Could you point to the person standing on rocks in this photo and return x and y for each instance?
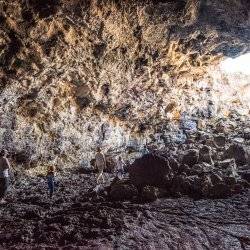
(51, 180)
(120, 167)
(100, 164)
(4, 175)
(145, 150)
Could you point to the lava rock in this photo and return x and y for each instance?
(247, 134)
(185, 169)
(205, 155)
(152, 170)
(228, 167)
(220, 191)
(237, 152)
(190, 158)
(216, 178)
(230, 180)
(149, 193)
(202, 168)
(174, 164)
(123, 190)
(245, 174)
(220, 140)
(181, 185)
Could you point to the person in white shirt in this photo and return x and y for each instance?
(4, 175)
(100, 164)
(120, 167)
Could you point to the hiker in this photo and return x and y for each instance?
(120, 167)
(145, 150)
(100, 164)
(51, 180)
(4, 175)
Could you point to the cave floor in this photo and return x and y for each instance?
(71, 220)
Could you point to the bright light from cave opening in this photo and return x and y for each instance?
(240, 64)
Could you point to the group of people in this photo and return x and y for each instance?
(100, 165)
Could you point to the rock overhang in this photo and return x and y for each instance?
(135, 64)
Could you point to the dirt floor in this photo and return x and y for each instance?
(75, 220)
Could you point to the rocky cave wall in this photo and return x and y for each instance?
(77, 74)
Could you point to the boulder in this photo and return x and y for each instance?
(185, 169)
(220, 140)
(244, 183)
(200, 186)
(230, 180)
(122, 190)
(216, 178)
(149, 193)
(202, 168)
(181, 185)
(245, 174)
(238, 189)
(220, 127)
(247, 134)
(206, 185)
(174, 164)
(237, 152)
(190, 157)
(152, 170)
(192, 186)
(220, 191)
(228, 167)
(205, 155)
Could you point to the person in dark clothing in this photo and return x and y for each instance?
(4, 175)
(51, 180)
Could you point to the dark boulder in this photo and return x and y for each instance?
(200, 186)
(216, 178)
(181, 185)
(152, 170)
(122, 190)
(230, 180)
(220, 191)
(149, 193)
(247, 134)
(220, 140)
(228, 167)
(174, 164)
(190, 158)
(245, 174)
(237, 152)
(205, 155)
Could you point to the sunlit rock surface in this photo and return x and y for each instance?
(77, 74)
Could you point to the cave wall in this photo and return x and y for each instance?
(77, 74)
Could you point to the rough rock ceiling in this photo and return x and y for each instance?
(68, 65)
